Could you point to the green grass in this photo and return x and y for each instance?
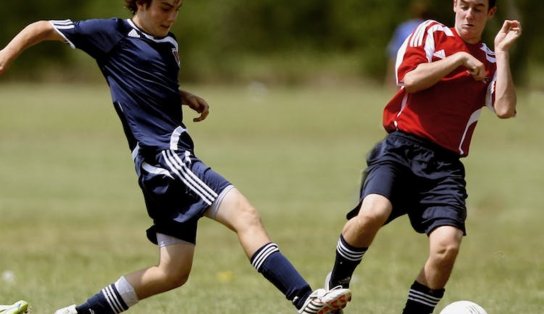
(73, 218)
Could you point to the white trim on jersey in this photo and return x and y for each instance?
(178, 167)
(174, 138)
(402, 106)
(168, 39)
(490, 95)
(489, 54)
(63, 24)
(473, 119)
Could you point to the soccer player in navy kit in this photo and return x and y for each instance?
(140, 61)
(446, 76)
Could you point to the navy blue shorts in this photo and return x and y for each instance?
(421, 179)
(178, 188)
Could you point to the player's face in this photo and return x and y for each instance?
(158, 18)
(471, 17)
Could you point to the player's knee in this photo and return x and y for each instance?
(374, 210)
(371, 218)
(249, 218)
(446, 253)
(172, 279)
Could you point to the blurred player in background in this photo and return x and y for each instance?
(419, 12)
(140, 61)
(446, 76)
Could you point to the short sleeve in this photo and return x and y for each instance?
(96, 37)
(420, 47)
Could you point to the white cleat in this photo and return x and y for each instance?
(327, 287)
(19, 307)
(67, 310)
(323, 301)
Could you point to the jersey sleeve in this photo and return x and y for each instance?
(96, 37)
(418, 48)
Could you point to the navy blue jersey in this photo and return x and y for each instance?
(142, 73)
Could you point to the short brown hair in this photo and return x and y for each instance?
(132, 4)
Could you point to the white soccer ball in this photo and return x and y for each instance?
(463, 307)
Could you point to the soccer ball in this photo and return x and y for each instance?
(463, 307)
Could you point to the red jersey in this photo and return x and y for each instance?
(447, 112)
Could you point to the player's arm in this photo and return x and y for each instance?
(505, 93)
(28, 37)
(427, 74)
(196, 103)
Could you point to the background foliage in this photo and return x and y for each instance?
(267, 40)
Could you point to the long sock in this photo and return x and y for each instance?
(422, 299)
(347, 259)
(109, 300)
(269, 261)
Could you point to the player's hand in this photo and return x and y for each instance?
(196, 103)
(507, 35)
(474, 67)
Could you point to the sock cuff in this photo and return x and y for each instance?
(348, 251)
(260, 256)
(422, 294)
(126, 291)
(423, 288)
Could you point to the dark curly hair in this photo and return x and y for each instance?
(131, 4)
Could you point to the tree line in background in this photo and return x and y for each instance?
(237, 39)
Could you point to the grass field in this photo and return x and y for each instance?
(73, 219)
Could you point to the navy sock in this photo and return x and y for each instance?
(269, 261)
(422, 299)
(347, 259)
(107, 301)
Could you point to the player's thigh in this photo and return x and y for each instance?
(235, 211)
(177, 258)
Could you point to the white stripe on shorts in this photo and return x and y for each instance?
(178, 167)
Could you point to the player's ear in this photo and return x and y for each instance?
(491, 12)
(454, 4)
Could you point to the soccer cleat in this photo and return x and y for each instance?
(18, 307)
(67, 310)
(327, 287)
(323, 301)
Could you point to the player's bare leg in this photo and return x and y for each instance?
(236, 213)
(356, 237)
(172, 271)
(428, 289)
(361, 229)
(444, 245)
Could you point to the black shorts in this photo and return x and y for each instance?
(178, 188)
(420, 179)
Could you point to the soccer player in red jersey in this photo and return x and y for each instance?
(446, 76)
